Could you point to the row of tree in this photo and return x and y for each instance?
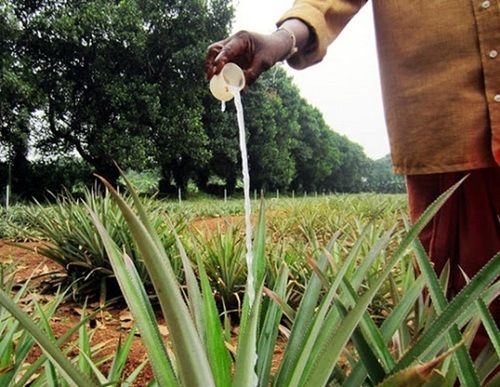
(122, 81)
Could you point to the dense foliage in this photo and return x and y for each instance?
(382, 178)
(106, 81)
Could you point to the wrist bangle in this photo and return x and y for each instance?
(293, 48)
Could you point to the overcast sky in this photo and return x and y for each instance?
(345, 86)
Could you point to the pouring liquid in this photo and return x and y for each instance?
(246, 190)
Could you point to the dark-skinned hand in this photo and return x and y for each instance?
(253, 52)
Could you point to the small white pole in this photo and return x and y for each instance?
(225, 195)
(277, 194)
(254, 194)
(180, 195)
(293, 194)
(7, 197)
(7, 193)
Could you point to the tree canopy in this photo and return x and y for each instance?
(107, 82)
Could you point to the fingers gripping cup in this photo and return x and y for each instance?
(231, 75)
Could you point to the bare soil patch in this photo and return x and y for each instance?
(113, 324)
(208, 226)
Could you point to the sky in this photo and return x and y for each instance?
(345, 86)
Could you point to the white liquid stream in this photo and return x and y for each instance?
(248, 210)
(246, 190)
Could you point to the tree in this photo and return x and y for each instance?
(17, 102)
(272, 129)
(86, 62)
(122, 80)
(381, 177)
(290, 145)
(317, 153)
(351, 173)
(222, 133)
(179, 35)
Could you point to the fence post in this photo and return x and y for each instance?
(293, 194)
(225, 195)
(7, 189)
(7, 197)
(180, 195)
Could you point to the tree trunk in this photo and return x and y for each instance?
(180, 178)
(109, 172)
(230, 183)
(20, 172)
(165, 187)
(202, 180)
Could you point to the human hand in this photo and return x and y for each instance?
(253, 52)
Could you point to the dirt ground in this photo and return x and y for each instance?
(208, 226)
(112, 324)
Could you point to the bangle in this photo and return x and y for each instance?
(293, 48)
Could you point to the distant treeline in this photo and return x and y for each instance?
(85, 84)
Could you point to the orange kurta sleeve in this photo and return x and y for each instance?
(326, 18)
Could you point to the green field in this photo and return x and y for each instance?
(341, 293)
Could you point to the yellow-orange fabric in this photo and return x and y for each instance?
(440, 71)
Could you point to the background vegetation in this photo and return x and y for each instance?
(87, 84)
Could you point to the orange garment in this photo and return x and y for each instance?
(440, 71)
(465, 231)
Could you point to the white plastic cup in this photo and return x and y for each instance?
(231, 75)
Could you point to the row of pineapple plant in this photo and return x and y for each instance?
(70, 238)
(332, 312)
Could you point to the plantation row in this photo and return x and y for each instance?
(71, 239)
(335, 275)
